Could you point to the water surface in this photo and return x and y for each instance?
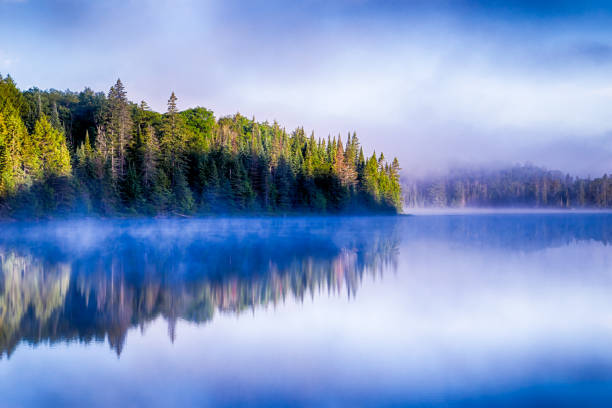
(459, 310)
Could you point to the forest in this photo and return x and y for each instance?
(519, 186)
(81, 153)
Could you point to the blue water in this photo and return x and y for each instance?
(434, 310)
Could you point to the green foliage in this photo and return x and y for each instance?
(199, 125)
(12, 136)
(129, 159)
(48, 150)
(11, 99)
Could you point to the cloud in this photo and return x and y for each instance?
(595, 51)
(7, 62)
(430, 82)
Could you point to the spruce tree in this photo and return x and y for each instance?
(173, 145)
(51, 149)
(11, 135)
(118, 130)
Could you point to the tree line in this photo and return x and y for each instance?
(93, 153)
(518, 186)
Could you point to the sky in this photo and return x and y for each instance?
(436, 83)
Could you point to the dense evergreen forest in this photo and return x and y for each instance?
(64, 152)
(518, 186)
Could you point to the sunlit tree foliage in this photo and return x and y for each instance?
(95, 153)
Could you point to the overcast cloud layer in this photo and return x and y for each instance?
(434, 82)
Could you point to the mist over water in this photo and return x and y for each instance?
(114, 275)
(460, 310)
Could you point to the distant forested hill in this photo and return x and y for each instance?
(87, 152)
(519, 186)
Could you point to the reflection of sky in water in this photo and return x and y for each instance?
(479, 310)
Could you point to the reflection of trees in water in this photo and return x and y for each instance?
(125, 281)
(64, 282)
(513, 231)
(29, 291)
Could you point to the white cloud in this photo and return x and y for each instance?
(7, 62)
(430, 91)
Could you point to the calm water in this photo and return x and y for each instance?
(460, 310)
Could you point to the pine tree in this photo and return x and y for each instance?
(344, 166)
(12, 134)
(51, 149)
(150, 157)
(55, 120)
(85, 159)
(371, 179)
(39, 107)
(118, 130)
(360, 165)
(173, 145)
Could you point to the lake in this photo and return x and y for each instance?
(432, 310)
